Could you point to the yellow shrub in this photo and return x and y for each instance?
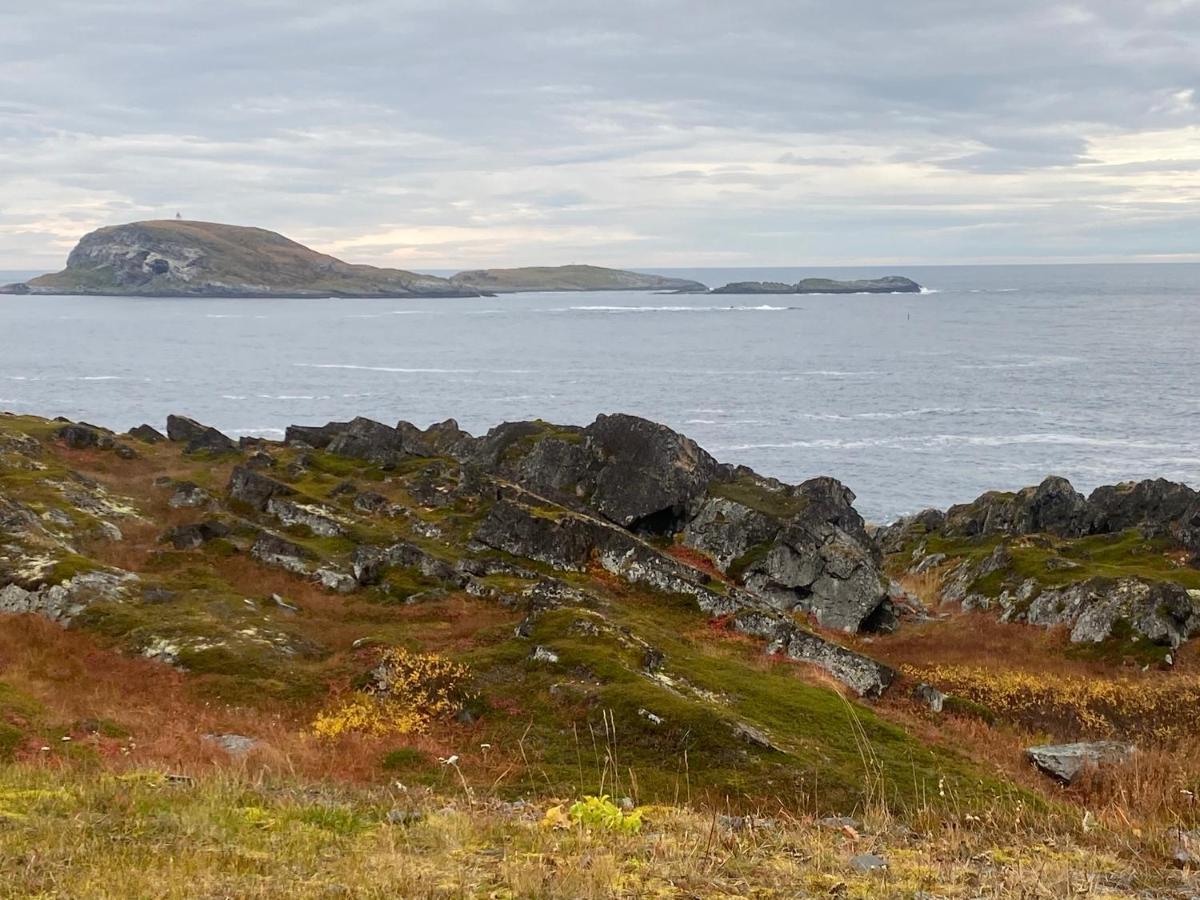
(1159, 707)
(409, 691)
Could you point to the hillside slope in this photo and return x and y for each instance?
(171, 258)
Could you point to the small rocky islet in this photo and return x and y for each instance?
(178, 258)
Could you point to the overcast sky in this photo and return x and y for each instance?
(650, 133)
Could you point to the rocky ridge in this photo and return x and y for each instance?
(1121, 565)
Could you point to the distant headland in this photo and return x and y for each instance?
(178, 258)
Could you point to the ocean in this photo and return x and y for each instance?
(992, 379)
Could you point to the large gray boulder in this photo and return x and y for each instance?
(1066, 762)
(803, 548)
(197, 437)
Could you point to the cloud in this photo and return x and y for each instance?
(651, 133)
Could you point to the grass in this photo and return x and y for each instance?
(751, 492)
(234, 834)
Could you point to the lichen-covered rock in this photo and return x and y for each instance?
(1053, 506)
(1162, 612)
(275, 551)
(810, 552)
(318, 519)
(79, 437)
(254, 488)
(189, 537)
(369, 440)
(1066, 762)
(865, 676)
(64, 601)
(187, 495)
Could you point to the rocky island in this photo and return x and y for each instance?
(570, 278)
(891, 284)
(174, 258)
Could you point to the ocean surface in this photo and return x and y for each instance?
(994, 378)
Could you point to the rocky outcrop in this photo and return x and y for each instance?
(175, 258)
(1157, 508)
(64, 601)
(891, 284)
(810, 552)
(197, 437)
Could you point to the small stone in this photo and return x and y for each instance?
(868, 862)
(1067, 761)
(404, 816)
(544, 654)
(930, 696)
(233, 744)
(651, 717)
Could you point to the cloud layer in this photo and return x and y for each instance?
(650, 133)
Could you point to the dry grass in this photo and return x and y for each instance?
(227, 835)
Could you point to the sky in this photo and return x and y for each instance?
(655, 133)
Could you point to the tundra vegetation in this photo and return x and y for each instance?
(562, 662)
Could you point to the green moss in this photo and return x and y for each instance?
(11, 738)
(755, 554)
(750, 492)
(406, 759)
(962, 706)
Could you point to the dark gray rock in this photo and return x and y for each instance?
(255, 489)
(865, 676)
(197, 437)
(316, 436)
(187, 495)
(1066, 762)
(868, 862)
(147, 434)
(369, 440)
(275, 551)
(189, 537)
(79, 437)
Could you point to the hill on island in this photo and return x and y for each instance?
(569, 278)
(174, 258)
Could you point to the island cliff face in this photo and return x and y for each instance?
(175, 258)
(570, 278)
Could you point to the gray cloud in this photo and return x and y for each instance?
(660, 132)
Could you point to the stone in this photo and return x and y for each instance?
(333, 580)
(233, 744)
(79, 437)
(197, 437)
(404, 817)
(251, 487)
(1066, 762)
(368, 440)
(318, 519)
(865, 863)
(544, 655)
(929, 696)
(275, 551)
(187, 495)
(189, 537)
(147, 434)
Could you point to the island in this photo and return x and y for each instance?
(177, 258)
(891, 284)
(570, 278)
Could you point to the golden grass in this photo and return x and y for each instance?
(230, 836)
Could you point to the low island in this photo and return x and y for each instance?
(570, 278)
(891, 284)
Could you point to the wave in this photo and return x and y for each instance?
(831, 373)
(696, 309)
(1039, 362)
(950, 440)
(924, 411)
(413, 370)
(262, 430)
(929, 290)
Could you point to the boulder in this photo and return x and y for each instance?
(368, 440)
(147, 434)
(189, 537)
(275, 551)
(255, 489)
(1161, 611)
(1066, 762)
(1053, 506)
(187, 495)
(197, 437)
(79, 437)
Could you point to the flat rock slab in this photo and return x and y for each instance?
(1066, 762)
